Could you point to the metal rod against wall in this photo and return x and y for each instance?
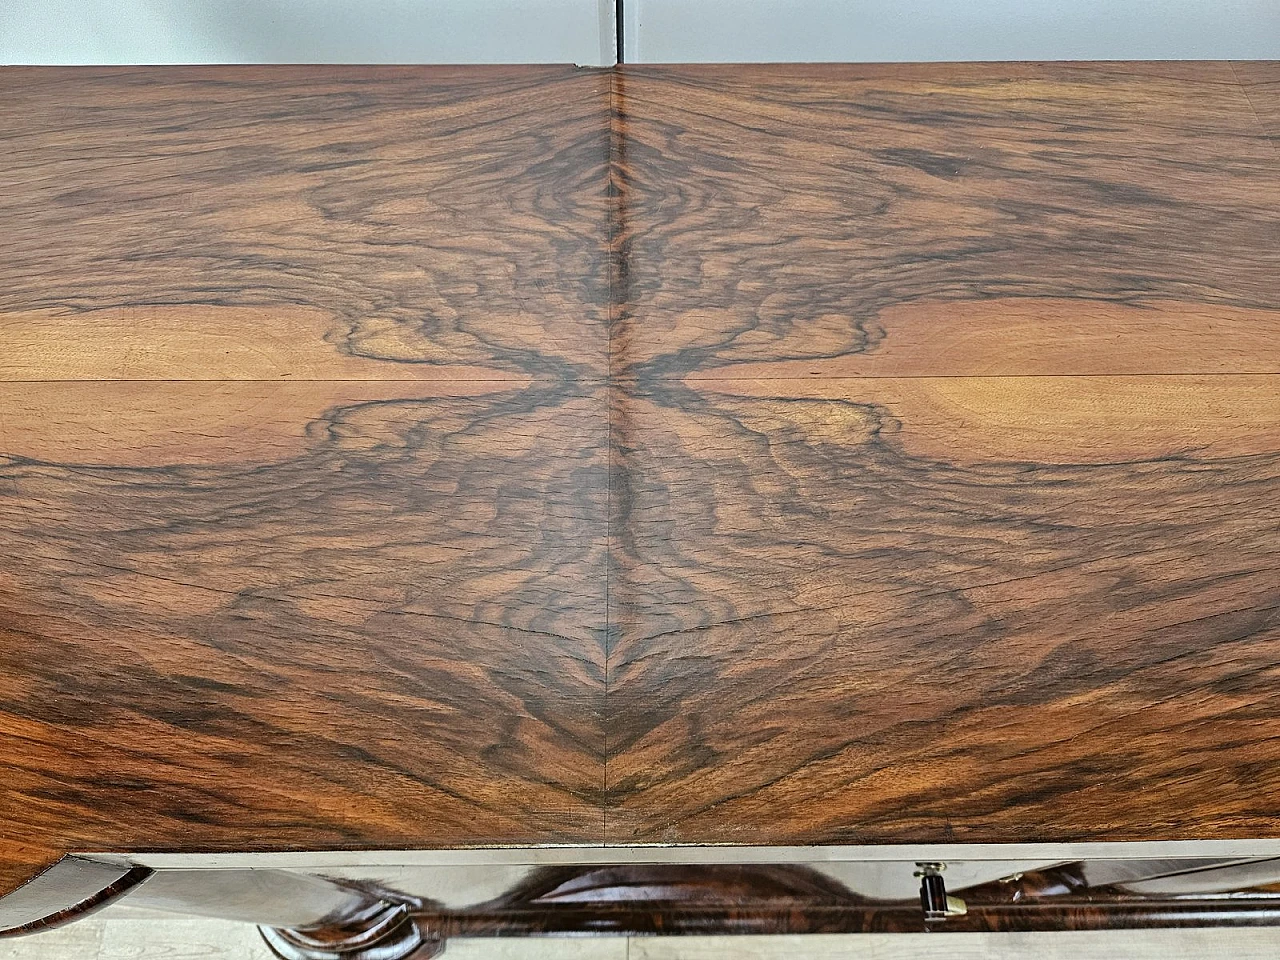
(620, 30)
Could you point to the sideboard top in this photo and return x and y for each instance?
(402, 458)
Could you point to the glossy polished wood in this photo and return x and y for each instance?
(780, 899)
(403, 458)
(947, 498)
(303, 485)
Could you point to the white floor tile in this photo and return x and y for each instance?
(181, 938)
(1190, 944)
(74, 941)
(538, 948)
(111, 936)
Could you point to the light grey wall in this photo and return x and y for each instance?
(307, 31)
(581, 31)
(674, 31)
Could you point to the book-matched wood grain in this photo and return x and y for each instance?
(945, 503)
(444, 457)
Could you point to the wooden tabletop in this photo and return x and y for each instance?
(442, 457)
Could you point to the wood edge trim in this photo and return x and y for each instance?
(127, 878)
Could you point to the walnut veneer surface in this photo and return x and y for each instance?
(442, 457)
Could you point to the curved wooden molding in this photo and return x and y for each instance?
(72, 888)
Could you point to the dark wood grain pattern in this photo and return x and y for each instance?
(446, 457)
(302, 458)
(947, 495)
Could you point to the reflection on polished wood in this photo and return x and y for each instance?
(780, 899)
(414, 458)
(672, 899)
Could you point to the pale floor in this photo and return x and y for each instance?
(122, 934)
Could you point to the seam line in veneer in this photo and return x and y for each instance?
(672, 378)
(1257, 117)
(745, 375)
(611, 233)
(440, 380)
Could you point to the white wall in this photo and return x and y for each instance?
(306, 31)
(581, 31)
(674, 31)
